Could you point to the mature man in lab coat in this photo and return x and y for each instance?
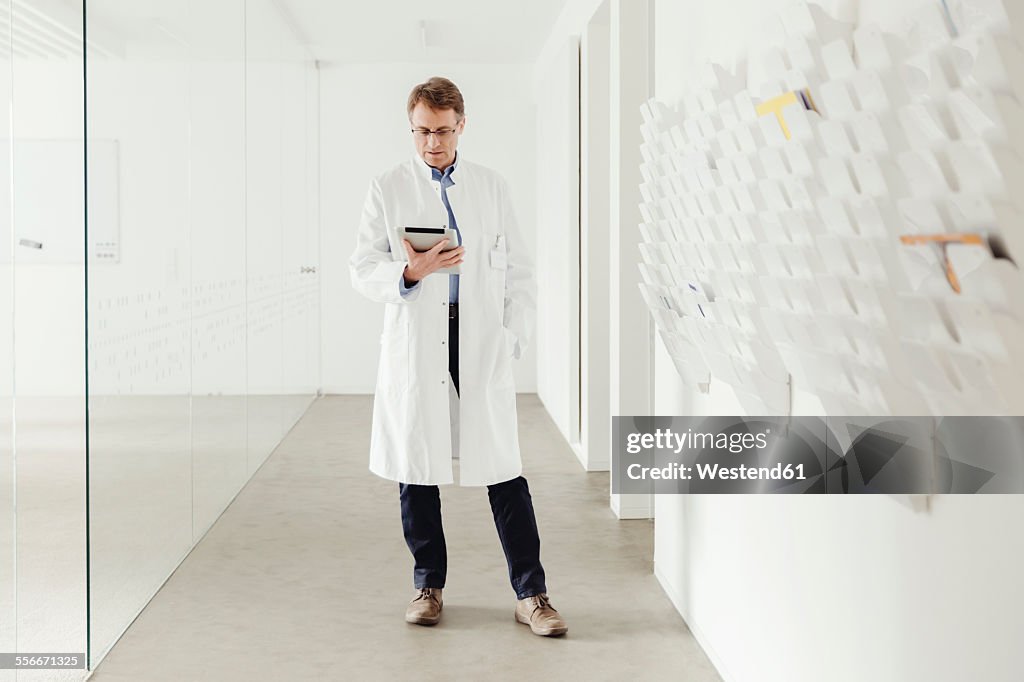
(445, 381)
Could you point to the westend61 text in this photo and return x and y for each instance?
(711, 472)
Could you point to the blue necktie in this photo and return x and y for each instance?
(446, 182)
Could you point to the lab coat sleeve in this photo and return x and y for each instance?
(520, 285)
(373, 268)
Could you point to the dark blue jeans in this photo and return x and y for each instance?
(511, 506)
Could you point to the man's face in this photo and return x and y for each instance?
(438, 150)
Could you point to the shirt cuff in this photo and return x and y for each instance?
(404, 290)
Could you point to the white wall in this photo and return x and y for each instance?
(615, 341)
(595, 241)
(558, 214)
(631, 346)
(792, 588)
(556, 82)
(581, 381)
(365, 131)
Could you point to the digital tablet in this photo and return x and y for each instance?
(426, 238)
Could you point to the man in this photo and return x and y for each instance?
(445, 383)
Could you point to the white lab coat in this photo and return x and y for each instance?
(413, 425)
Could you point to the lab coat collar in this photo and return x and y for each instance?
(426, 171)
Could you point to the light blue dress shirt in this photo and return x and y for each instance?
(446, 181)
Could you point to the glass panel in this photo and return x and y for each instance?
(217, 219)
(8, 615)
(312, 284)
(299, 282)
(202, 133)
(46, 199)
(140, 334)
(264, 116)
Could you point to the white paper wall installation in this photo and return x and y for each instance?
(847, 215)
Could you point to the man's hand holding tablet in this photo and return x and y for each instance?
(437, 257)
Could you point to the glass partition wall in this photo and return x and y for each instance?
(8, 600)
(162, 336)
(43, 517)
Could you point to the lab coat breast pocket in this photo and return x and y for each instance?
(498, 256)
(497, 267)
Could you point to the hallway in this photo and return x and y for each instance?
(305, 577)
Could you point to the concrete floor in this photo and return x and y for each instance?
(306, 577)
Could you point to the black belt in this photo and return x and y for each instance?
(453, 311)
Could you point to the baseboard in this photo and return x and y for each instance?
(701, 638)
(632, 506)
(577, 449)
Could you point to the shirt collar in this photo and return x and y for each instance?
(431, 173)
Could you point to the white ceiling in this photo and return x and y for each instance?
(333, 31)
(492, 31)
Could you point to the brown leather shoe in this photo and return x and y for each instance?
(425, 608)
(542, 618)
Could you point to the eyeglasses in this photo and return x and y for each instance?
(424, 134)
